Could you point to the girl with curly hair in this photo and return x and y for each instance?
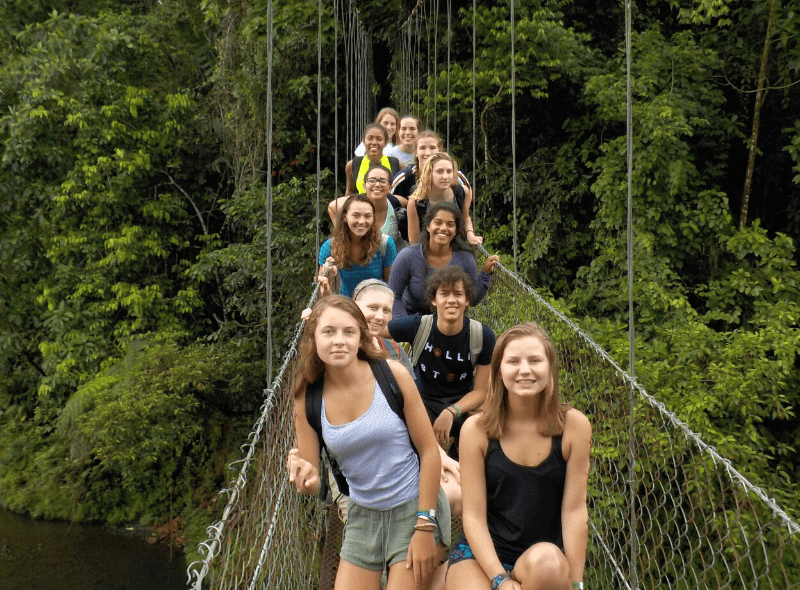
(358, 249)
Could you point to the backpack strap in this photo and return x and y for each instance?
(459, 196)
(475, 340)
(391, 390)
(388, 384)
(314, 417)
(314, 407)
(424, 330)
(384, 245)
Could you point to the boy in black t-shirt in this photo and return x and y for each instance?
(451, 382)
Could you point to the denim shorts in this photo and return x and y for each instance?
(377, 539)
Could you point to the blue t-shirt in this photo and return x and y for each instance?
(444, 371)
(354, 274)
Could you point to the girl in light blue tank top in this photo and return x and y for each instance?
(373, 446)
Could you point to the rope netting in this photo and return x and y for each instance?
(700, 523)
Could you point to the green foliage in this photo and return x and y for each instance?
(793, 148)
(132, 233)
(147, 437)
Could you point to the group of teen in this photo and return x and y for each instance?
(468, 424)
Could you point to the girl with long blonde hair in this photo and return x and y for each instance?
(438, 183)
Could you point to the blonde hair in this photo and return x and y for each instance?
(426, 178)
(425, 135)
(368, 285)
(389, 111)
(552, 413)
(309, 366)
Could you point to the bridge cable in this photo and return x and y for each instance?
(449, 8)
(319, 123)
(335, 99)
(268, 205)
(474, 116)
(631, 335)
(514, 157)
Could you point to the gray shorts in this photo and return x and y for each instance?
(377, 539)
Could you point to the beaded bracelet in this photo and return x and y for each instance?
(458, 411)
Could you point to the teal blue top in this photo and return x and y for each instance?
(354, 274)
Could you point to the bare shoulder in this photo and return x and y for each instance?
(300, 405)
(473, 432)
(577, 422)
(577, 434)
(399, 371)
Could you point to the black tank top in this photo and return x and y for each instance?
(458, 198)
(523, 504)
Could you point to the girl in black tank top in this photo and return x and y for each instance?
(524, 475)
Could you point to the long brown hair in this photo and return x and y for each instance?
(343, 242)
(309, 366)
(552, 413)
(426, 179)
(424, 135)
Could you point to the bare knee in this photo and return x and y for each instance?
(542, 567)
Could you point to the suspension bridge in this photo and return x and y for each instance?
(666, 509)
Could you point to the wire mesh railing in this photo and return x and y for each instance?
(700, 523)
(268, 536)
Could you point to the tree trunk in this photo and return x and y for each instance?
(761, 92)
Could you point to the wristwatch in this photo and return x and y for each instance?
(499, 579)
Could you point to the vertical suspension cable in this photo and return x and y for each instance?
(345, 73)
(474, 107)
(418, 81)
(335, 97)
(513, 136)
(449, 8)
(428, 76)
(268, 204)
(435, 64)
(514, 152)
(631, 335)
(319, 121)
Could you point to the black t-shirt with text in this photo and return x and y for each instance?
(444, 371)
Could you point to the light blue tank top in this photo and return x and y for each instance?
(375, 454)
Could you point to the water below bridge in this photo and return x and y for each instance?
(39, 555)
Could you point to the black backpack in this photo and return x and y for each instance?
(394, 397)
